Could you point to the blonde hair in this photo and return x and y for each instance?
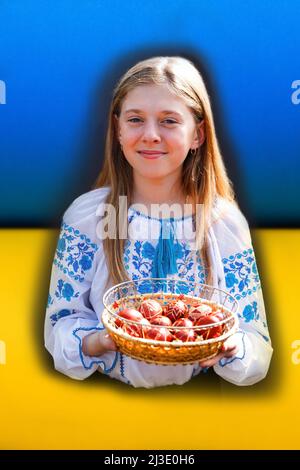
(204, 175)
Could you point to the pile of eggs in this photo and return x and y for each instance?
(156, 322)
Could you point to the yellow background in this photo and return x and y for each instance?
(42, 409)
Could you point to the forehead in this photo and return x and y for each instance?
(154, 98)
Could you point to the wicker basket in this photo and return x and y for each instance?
(130, 294)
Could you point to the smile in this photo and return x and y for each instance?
(152, 155)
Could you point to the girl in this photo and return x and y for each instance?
(161, 147)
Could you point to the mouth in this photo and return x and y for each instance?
(151, 155)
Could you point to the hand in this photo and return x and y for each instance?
(98, 343)
(107, 342)
(229, 349)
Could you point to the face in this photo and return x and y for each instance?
(156, 130)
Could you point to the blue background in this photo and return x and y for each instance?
(61, 59)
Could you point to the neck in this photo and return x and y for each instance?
(163, 191)
(157, 191)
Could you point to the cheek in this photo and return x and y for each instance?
(129, 135)
(180, 147)
(180, 140)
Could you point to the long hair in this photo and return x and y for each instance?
(204, 175)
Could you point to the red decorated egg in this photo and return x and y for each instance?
(199, 311)
(159, 334)
(175, 310)
(213, 331)
(183, 322)
(186, 334)
(128, 314)
(219, 314)
(140, 330)
(161, 320)
(150, 309)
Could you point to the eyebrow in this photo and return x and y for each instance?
(166, 111)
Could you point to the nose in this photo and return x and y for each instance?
(151, 132)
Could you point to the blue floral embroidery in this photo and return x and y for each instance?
(148, 250)
(62, 313)
(65, 291)
(202, 272)
(50, 301)
(231, 280)
(241, 274)
(250, 312)
(139, 260)
(139, 255)
(146, 286)
(184, 260)
(126, 254)
(74, 253)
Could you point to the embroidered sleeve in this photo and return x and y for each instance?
(69, 313)
(238, 275)
(243, 282)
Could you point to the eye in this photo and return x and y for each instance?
(133, 119)
(170, 121)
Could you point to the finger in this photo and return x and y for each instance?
(211, 362)
(110, 343)
(231, 352)
(229, 345)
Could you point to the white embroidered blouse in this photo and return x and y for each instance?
(79, 275)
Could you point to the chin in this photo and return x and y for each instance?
(152, 174)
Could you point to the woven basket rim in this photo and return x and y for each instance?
(200, 293)
(184, 281)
